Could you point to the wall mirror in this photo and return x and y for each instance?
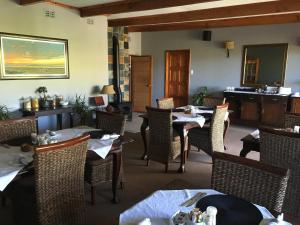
(264, 65)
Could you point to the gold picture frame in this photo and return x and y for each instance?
(32, 57)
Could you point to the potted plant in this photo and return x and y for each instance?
(199, 96)
(81, 108)
(42, 91)
(4, 112)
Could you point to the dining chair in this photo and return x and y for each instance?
(98, 170)
(291, 120)
(164, 144)
(54, 195)
(281, 148)
(210, 138)
(17, 128)
(254, 181)
(165, 103)
(211, 101)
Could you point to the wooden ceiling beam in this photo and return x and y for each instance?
(27, 2)
(134, 5)
(235, 22)
(214, 13)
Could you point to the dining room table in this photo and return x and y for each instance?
(14, 162)
(162, 205)
(182, 122)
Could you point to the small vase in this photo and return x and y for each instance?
(45, 104)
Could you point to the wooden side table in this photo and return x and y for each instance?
(50, 111)
(249, 144)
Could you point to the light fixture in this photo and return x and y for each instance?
(229, 45)
(108, 90)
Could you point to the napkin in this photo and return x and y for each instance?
(109, 136)
(102, 146)
(255, 134)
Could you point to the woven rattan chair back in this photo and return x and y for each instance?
(59, 181)
(210, 101)
(160, 134)
(251, 180)
(217, 128)
(282, 149)
(17, 128)
(291, 120)
(111, 122)
(165, 103)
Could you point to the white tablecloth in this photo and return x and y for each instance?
(198, 110)
(100, 146)
(12, 160)
(182, 117)
(162, 205)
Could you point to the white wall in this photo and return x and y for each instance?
(208, 59)
(88, 60)
(135, 43)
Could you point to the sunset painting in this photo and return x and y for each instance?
(33, 58)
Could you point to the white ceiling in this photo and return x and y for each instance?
(207, 5)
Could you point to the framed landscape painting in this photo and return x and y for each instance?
(29, 57)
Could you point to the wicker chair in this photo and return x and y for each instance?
(163, 146)
(210, 101)
(291, 120)
(55, 194)
(251, 180)
(210, 139)
(280, 148)
(98, 170)
(17, 128)
(165, 103)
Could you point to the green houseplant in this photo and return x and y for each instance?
(81, 108)
(42, 91)
(199, 96)
(4, 112)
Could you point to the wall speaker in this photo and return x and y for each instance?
(206, 35)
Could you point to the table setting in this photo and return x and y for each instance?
(17, 155)
(197, 207)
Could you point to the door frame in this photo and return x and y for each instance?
(131, 79)
(166, 71)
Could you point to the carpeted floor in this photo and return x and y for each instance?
(141, 181)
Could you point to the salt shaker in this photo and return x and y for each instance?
(211, 215)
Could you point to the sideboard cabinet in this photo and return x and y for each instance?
(257, 109)
(295, 104)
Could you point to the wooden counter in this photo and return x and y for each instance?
(256, 109)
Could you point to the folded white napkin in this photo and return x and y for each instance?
(145, 221)
(109, 136)
(255, 134)
(102, 146)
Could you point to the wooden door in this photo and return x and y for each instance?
(177, 76)
(141, 82)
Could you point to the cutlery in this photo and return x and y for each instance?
(194, 199)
